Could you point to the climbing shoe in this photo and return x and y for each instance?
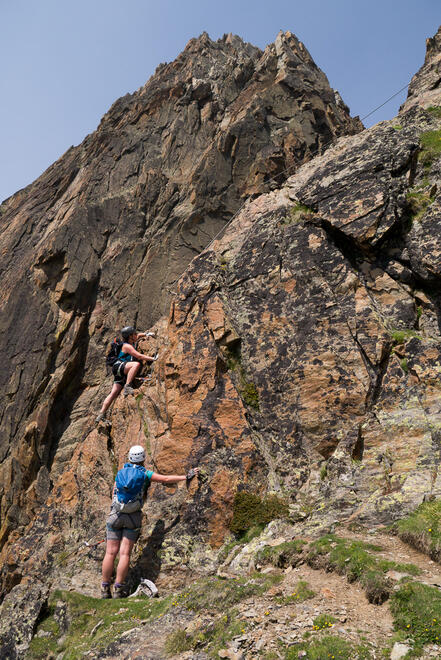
(105, 590)
(119, 591)
(128, 390)
(102, 418)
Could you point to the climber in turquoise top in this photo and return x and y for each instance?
(125, 368)
(123, 525)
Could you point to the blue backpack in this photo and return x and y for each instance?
(129, 489)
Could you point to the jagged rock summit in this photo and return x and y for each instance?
(300, 353)
(99, 239)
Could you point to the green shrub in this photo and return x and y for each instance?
(250, 395)
(250, 510)
(400, 336)
(430, 148)
(178, 642)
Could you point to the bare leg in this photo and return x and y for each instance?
(124, 559)
(131, 369)
(112, 548)
(116, 389)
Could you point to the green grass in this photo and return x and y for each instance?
(83, 613)
(250, 534)
(434, 111)
(430, 148)
(297, 213)
(118, 616)
(357, 562)
(214, 594)
(211, 638)
(329, 647)
(418, 202)
(400, 336)
(247, 390)
(404, 366)
(323, 622)
(250, 510)
(282, 555)
(422, 529)
(301, 593)
(416, 609)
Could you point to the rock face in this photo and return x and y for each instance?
(300, 356)
(424, 86)
(97, 241)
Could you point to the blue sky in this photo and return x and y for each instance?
(63, 63)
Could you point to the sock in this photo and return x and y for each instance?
(105, 584)
(118, 584)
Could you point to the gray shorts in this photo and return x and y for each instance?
(119, 525)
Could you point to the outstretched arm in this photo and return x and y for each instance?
(171, 478)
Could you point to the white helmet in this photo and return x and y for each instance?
(137, 454)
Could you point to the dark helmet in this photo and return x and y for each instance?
(127, 331)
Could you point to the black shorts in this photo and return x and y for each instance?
(119, 377)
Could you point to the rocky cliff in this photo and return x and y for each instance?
(98, 240)
(300, 355)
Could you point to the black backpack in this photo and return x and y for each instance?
(112, 355)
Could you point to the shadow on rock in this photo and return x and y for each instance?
(149, 563)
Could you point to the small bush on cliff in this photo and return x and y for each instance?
(422, 529)
(418, 201)
(246, 388)
(296, 213)
(435, 111)
(430, 148)
(400, 336)
(250, 510)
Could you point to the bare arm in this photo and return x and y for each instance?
(131, 350)
(171, 478)
(168, 478)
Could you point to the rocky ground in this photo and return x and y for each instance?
(297, 608)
